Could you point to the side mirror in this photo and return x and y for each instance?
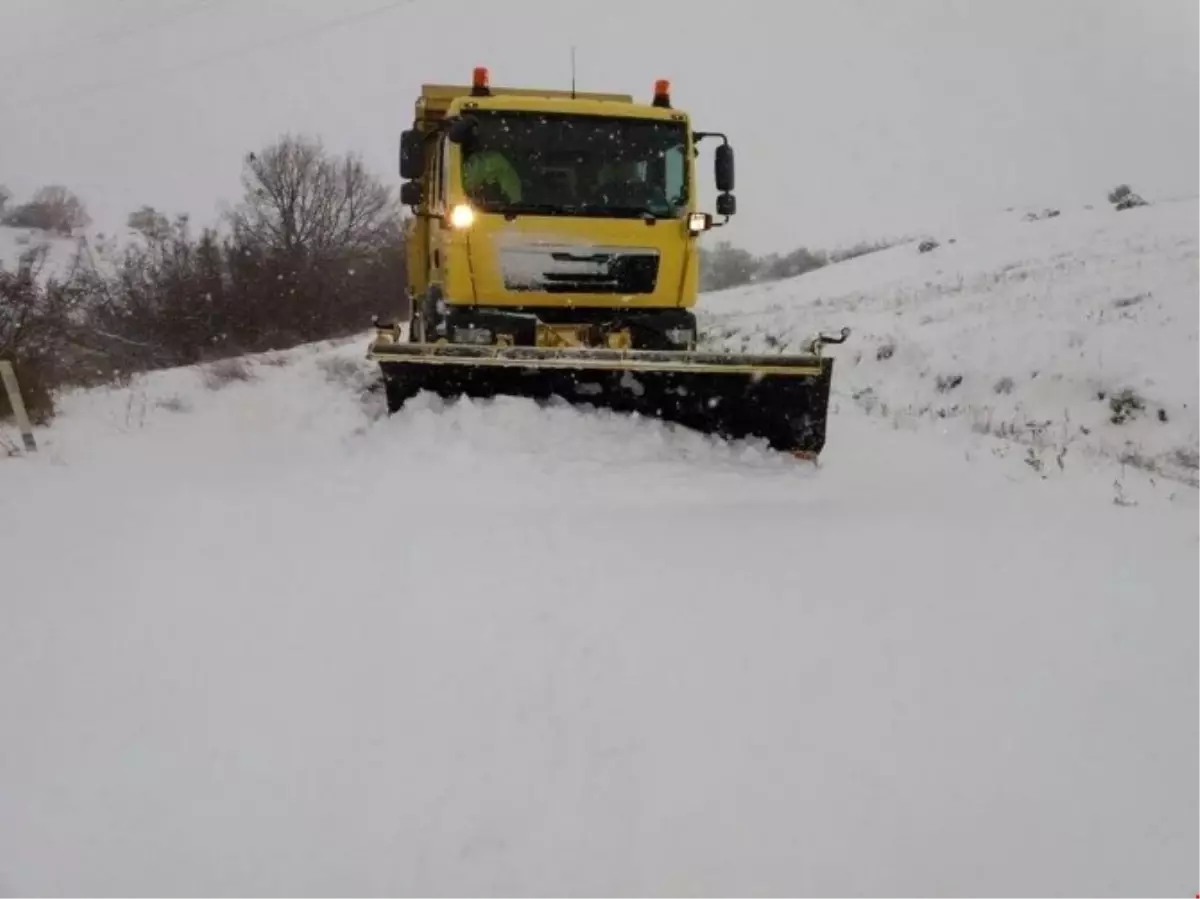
(723, 165)
(412, 154)
(410, 193)
(462, 130)
(726, 204)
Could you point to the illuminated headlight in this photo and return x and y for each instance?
(698, 222)
(461, 217)
(473, 335)
(680, 336)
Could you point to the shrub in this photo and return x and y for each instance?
(53, 208)
(313, 252)
(1123, 197)
(225, 372)
(863, 248)
(797, 262)
(726, 266)
(36, 324)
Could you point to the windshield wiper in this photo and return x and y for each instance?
(642, 212)
(646, 214)
(510, 212)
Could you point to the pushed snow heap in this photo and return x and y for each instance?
(553, 254)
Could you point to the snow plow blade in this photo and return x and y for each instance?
(781, 399)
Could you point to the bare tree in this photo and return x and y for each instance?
(150, 223)
(301, 200)
(53, 208)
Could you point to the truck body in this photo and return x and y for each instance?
(598, 244)
(552, 252)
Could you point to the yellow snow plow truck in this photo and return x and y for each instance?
(552, 251)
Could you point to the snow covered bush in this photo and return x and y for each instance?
(53, 208)
(225, 372)
(1123, 197)
(36, 321)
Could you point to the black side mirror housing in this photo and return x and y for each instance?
(462, 129)
(412, 154)
(726, 204)
(723, 166)
(410, 193)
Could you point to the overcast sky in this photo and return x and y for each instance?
(850, 118)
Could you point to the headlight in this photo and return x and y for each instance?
(699, 222)
(680, 336)
(462, 216)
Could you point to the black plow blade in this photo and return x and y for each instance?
(783, 400)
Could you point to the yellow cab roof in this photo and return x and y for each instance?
(437, 100)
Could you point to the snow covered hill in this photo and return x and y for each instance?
(260, 639)
(62, 253)
(89, 250)
(1076, 332)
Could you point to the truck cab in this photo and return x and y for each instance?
(554, 218)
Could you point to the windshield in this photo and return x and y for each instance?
(576, 165)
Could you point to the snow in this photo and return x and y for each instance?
(62, 253)
(1044, 322)
(261, 639)
(88, 249)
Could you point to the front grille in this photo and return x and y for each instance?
(580, 270)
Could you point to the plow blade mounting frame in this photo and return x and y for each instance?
(782, 399)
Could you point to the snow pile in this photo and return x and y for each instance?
(311, 403)
(1076, 332)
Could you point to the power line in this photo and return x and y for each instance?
(232, 53)
(113, 35)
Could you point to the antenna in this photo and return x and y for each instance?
(572, 71)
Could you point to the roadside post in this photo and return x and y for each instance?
(8, 375)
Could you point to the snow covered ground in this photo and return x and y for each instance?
(1037, 331)
(259, 639)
